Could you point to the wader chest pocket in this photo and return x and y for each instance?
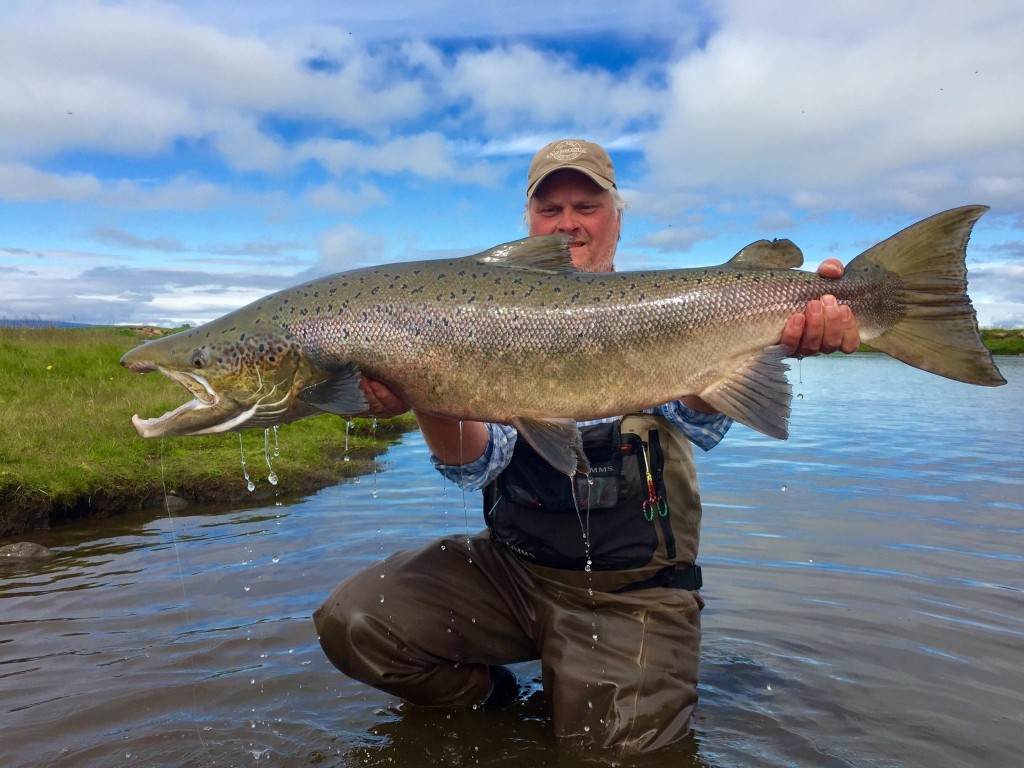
(531, 482)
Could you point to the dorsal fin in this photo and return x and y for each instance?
(768, 254)
(543, 253)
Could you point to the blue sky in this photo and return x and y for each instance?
(166, 162)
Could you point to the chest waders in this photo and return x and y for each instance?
(636, 517)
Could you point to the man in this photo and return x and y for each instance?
(599, 581)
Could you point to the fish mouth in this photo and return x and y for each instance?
(204, 398)
(209, 413)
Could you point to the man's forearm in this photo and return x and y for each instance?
(453, 442)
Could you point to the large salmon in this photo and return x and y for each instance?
(517, 335)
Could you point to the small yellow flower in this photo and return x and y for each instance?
(49, 367)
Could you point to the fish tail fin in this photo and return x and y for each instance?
(938, 329)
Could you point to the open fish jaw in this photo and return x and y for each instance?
(203, 398)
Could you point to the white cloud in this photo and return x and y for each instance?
(887, 104)
(21, 183)
(509, 86)
(134, 78)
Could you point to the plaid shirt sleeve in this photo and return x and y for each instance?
(703, 429)
(501, 440)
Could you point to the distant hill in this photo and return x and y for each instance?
(42, 324)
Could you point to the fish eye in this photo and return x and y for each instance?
(199, 358)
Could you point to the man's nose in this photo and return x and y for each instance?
(567, 221)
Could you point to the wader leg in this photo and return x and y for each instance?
(634, 688)
(447, 612)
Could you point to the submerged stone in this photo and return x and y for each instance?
(24, 550)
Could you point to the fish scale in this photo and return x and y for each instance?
(517, 335)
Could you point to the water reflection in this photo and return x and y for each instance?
(872, 613)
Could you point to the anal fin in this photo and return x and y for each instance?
(757, 393)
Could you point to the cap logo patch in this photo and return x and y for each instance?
(566, 150)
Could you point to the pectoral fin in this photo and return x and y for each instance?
(338, 394)
(757, 393)
(558, 441)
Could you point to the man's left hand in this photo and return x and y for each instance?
(825, 325)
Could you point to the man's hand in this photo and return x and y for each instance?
(825, 325)
(383, 402)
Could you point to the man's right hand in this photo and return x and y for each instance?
(383, 402)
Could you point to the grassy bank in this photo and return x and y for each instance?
(68, 449)
(1004, 341)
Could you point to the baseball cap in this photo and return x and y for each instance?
(573, 154)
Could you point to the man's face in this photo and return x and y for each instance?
(570, 203)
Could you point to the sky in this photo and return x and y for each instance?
(167, 162)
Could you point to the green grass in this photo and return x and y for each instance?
(68, 449)
(1004, 341)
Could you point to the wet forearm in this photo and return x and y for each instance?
(452, 441)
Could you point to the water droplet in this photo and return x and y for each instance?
(443, 547)
(594, 637)
(799, 396)
(245, 471)
(246, 588)
(382, 598)
(275, 559)
(272, 477)
(586, 729)
(785, 488)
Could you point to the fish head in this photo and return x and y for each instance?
(238, 378)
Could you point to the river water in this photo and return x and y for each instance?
(864, 586)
